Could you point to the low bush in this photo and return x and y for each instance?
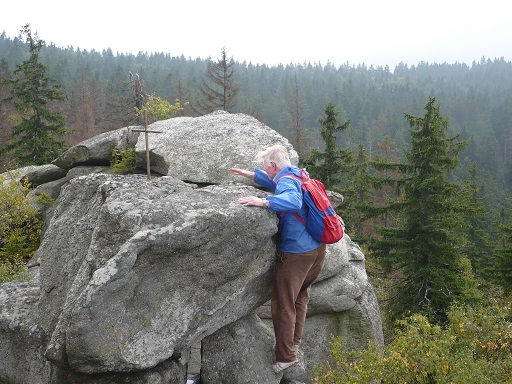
(124, 161)
(20, 229)
(475, 346)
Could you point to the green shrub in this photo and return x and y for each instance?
(474, 347)
(45, 200)
(123, 162)
(11, 272)
(20, 228)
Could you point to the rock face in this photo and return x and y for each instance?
(131, 272)
(153, 267)
(98, 149)
(22, 341)
(201, 149)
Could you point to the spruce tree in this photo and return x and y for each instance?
(504, 255)
(219, 90)
(328, 166)
(424, 250)
(358, 195)
(480, 245)
(37, 138)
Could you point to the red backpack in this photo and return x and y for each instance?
(322, 221)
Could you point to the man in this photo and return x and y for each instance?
(300, 257)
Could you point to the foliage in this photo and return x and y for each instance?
(219, 90)
(474, 347)
(504, 255)
(123, 162)
(424, 250)
(13, 271)
(159, 109)
(358, 194)
(45, 200)
(32, 93)
(376, 186)
(479, 247)
(327, 166)
(20, 228)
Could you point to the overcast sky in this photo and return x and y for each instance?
(272, 32)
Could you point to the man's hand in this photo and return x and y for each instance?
(242, 172)
(253, 200)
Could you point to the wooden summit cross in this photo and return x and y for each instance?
(145, 130)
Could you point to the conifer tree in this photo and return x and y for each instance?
(424, 250)
(358, 195)
(37, 138)
(386, 182)
(329, 165)
(504, 254)
(219, 90)
(479, 248)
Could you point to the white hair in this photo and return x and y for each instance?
(277, 154)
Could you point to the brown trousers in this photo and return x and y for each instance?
(293, 277)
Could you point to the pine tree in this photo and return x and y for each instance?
(328, 166)
(219, 91)
(358, 195)
(424, 250)
(504, 255)
(37, 136)
(386, 182)
(479, 246)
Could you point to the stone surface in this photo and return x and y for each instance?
(201, 149)
(35, 174)
(241, 352)
(132, 275)
(121, 293)
(22, 341)
(98, 149)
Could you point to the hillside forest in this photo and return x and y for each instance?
(380, 127)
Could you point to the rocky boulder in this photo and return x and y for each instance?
(152, 267)
(98, 149)
(22, 341)
(201, 149)
(35, 174)
(135, 272)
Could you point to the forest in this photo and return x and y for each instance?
(375, 121)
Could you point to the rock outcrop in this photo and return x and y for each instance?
(132, 273)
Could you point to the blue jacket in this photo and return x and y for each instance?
(286, 200)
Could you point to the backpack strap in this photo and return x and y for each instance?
(296, 216)
(301, 179)
(303, 176)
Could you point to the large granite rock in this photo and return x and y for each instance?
(134, 272)
(201, 149)
(241, 352)
(153, 267)
(35, 174)
(98, 149)
(22, 341)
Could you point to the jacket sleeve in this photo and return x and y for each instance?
(288, 196)
(261, 178)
